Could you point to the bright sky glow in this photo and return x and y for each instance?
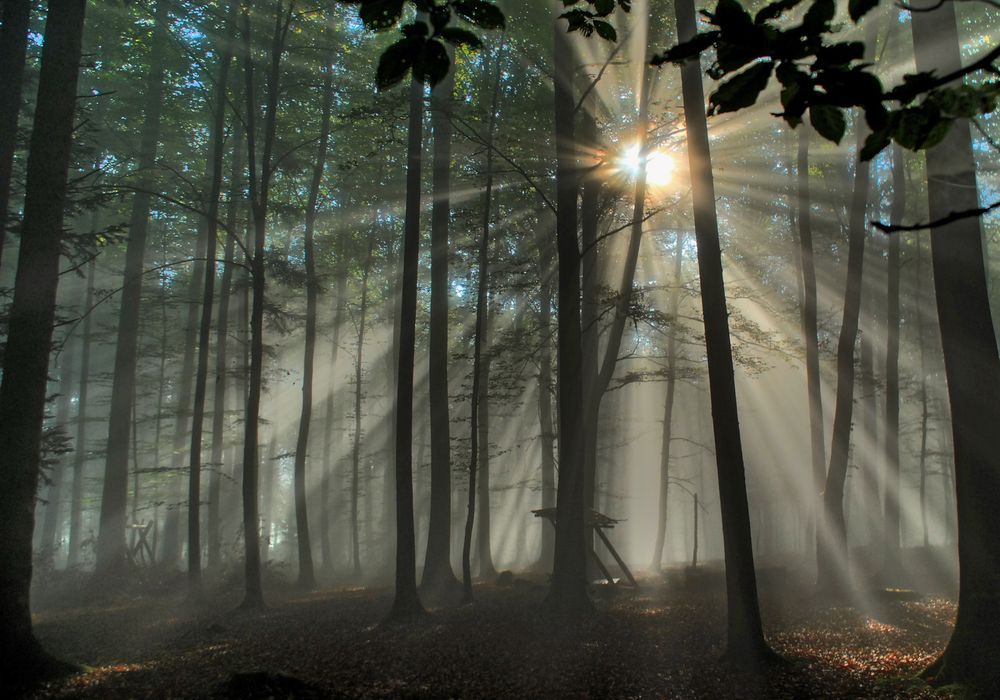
(659, 166)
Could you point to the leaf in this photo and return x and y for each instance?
(605, 30)
(461, 37)
(683, 52)
(859, 8)
(604, 8)
(874, 144)
(828, 121)
(432, 64)
(396, 61)
(480, 13)
(379, 15)
(742, 90)
(818, 16)
(774, 10)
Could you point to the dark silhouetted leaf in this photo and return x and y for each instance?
(380, 15)
(859, 8)
(461, 37)
(742, 90)
(397, 60)
(605, 30)
(828, 121)
(480, 13)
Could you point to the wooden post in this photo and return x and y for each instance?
(694, 556)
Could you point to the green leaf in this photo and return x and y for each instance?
(396, 61)
(379, 15)
(480, 13)
(859, 8)
(605, 30)
(604, 7)
(461, 37)
(828, 121)
(742, 90)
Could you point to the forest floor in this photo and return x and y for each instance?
(662, 641)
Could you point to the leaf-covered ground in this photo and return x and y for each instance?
(663, 641)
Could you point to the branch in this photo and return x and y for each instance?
(943, 221)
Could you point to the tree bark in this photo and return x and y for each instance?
(972, 368)
(891, 556)
(80, 451)
(438, 575)
(29, 337)
(111, 536)
(406, 602)
(307, 574)
(356, 450)
(745, 644)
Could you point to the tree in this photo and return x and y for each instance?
(29, 337)
(745, 643)
(111, 537)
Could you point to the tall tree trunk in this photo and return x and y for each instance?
(332, 409)
(745, 637)
(222, 359)
(406, 602)
(438, 575)
(29, 337)
(111, 537)
(568, 592)
(891, 557)
(52, 521)
(83, 404)
(217, 148)
(668, 404)
(545, 423)
(356, 450)
(972, 368)
(15, 15)
(924, 411)
(814, 385)
(260, 188)
(307, 575)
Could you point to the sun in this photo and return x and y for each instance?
(659, 165)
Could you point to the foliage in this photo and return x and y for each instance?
(827, 77)
(422, 49)
(587, 21)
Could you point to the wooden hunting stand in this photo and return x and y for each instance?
(598, 522)
(140, 548)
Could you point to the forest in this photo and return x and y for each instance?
(497, 348)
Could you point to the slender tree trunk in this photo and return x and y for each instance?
(80, 452)
(52, 521)
(356, 450)
(111, 537)
(332, 410)
(307, 575)
(924, 412)
(406, 602)
(218, 150)
(972, 368)
(438, 575)
(891, 558)
(29, 338)
(814, 385)
(745, 637)
(15, 15)
(545, 423)
(260, 188)
(668, 405)
(568, 592)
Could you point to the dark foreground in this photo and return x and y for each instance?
(663, 641)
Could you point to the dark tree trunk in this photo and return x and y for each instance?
(356, 449)
(972, 368)
(307, 575)
(333, 411)
(15, 15)
(53, 510)
(111, 537)
(222, 359)
(217, 154)
(260, 188)
(891, 558)
(29, 338)
(545, 422)
(438, 575)
(668, 404)
(745, 639)
(568, 592)
(814, 386)
(80, 446)
(406, 602)
(831, 535)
